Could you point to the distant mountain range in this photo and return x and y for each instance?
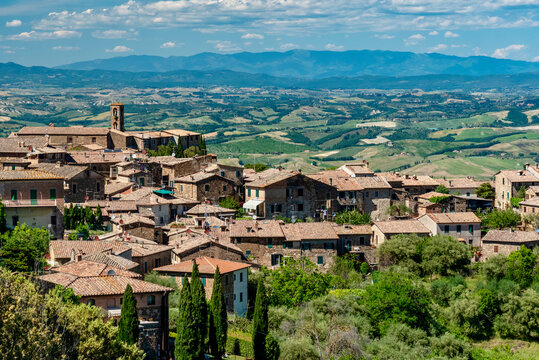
(317, 64)
(12, 74)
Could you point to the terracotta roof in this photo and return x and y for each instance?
(145, 196)
(15, 175)
(181, 132)
(62, 249)
(103, 285)
(116, 187)
(402, 227)
(352, 229)
(206, 209)
(202, 242)
(66, 171)
(420, 180)
(256, 228)
(13, 160)
(199, 177)
(110, 205)
(131, 172)
(463, 183)
(168, 160)
(309, 231)
(372, 182)
(100, 157)
(534, 201)
(23, 146)
(432, 194)
(269, 177)
(357, 168)
(64, 130)
(112, 260)
(87, 268)
(206, 266)
(454, 218)
(128, 219)
(519, 176)
(510, 236)
(140, 250)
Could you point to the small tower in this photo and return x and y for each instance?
(117, 116)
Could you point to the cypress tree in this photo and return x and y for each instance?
(185, 344)
(200, 310)
(260, 322)
(88, 216)
(273, 351)
(218, 318)
(99, 217)
(128, 330)
(3, 222)
(179, 149)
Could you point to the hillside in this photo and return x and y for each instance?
(316, 64)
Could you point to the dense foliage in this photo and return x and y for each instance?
(260, 323)
(128, 326)
(218, 322)
(485, 191)
(353, 217)
(499, 219)
(75, 216)
(23, 249)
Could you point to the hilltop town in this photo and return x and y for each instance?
(121, 205)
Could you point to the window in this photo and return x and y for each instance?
(171, 183)
(33, 196)
(495, 248)
(52, 194)
(248, 252)
(94, 140)
(241, 277)
(69, 139)
(157, 262)
(446, 229)
(270, 242)
(234, 297)
(276, 259)
(288, 192)
(91, 302)
(459, 228)
(279, 208)
(468, 194)
(284, 245)
(224, 188)
(141, 181)
(300, 207)
(376, 194)
(328, 195)
(300, 192)
(13, 194)
(470, 229)
(161, 220)
(367, 194)
(234, 277)
(272, 208)
(14, 220)
(306, 246)
(248, 192)
(257, 193)
(238, 241)
(181, 187)
(53, 220)
(222, 173)
(320, 260)
(74, 188)
(145, 266)
(206, 187)
(97, 186)
(151, 299)
(241, 297)
(237, 173)
(362, 240)
(12, 167)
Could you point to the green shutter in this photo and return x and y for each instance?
(13, 194)
(52, 194)
(33, 196)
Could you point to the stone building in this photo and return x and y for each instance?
(206, 186)
(462, 186)
(189, 245)
(464, 226)
(80, 183)
(277, 192)
(410, 185)
(384, 230)
(530, 206)
(134, 225)
(504, 242)
(234, 279)
(35, 198)
(509, 182)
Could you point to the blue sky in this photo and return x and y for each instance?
(55, 32)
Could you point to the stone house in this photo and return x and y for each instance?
(64, 251)
(102, 161)
(422, 204)
(70, 136)
(531, 192)
(135, 225)
(506, 241)
(103, 286)
(234, 279)
(13, 163)
(35, 198)
(464, 226)
(462, 186)
(205, 186)
(412, 185)
(352, 237)
(80, 183)
(509, 182)
(204, 210)
(277, 192)
(530, 206)
(165, 169)
(189, 245)
(384, 230)
(134, 176)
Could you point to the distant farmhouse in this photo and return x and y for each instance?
(115, 137)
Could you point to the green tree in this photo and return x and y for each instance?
(202, 145)
(405, 250)
(500, 219)
(520, 317)
(236, 350)
(443, 255)
(353, 217)
(178, 152)
(128, 326)
(191, 151)
(200, 311)
(517, 118)
(260, 323)
(520, 266)
(257, 167)
(485, 191)
(442, 189)
(24, 249)
(3, 223)
(67, 217)
(397, 298)
(218, 324)
(272, 348)
(399, 210)
(186, 344)
(364, 268)
(495, 267)
(229, 203)
(99, 217)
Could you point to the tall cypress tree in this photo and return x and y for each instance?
(186, 338)
(179, 149)
(128, 330)
(99, 217)
(260, 322)
(200, 309)
(218, 318)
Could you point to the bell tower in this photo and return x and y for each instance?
(117, 116)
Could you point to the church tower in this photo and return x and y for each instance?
(117, 116)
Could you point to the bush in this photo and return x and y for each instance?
(353, 217)
(245, 346)
(520, 317)
(445, 290)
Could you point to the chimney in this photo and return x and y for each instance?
(330, 181)
(280, 168)
(526, 166)
(58, 164)
(78, 257)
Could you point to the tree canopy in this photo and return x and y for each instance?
(24, 248)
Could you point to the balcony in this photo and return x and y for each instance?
(32, 203)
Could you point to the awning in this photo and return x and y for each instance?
(252, 204)
(163, 192)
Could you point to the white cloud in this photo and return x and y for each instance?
(9, 52)
(416, 37)
(439, 47)
(13, 23)
(288, 46)
(114, 34)
(119, 49)
(504, 52)
(168, 44)
(224, 46)
(334, 47)
(450, 34)
(384, 36)
(35, 35)
(535, 59)
(433, 33)
(413, 39)
(65, 48)
(252, 36)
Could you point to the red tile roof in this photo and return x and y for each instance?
(206, 266)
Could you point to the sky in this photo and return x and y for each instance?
(56, 32)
